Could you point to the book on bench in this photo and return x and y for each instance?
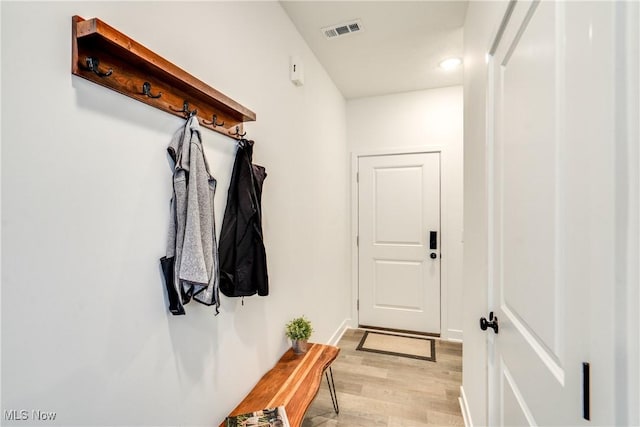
(271, 417)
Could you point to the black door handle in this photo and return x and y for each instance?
(491, 323)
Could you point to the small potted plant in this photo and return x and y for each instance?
(299, 330)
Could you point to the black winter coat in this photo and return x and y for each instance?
(243, 261)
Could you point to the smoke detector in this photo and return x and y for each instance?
(346, 28)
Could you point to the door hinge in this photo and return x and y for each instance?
(357, 176)
(357, 240)
(357, 304)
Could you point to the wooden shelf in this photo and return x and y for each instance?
(132, 65)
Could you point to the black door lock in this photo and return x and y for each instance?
(492, 323)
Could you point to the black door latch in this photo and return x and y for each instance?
(492, 323)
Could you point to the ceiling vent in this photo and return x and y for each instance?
(334, 31)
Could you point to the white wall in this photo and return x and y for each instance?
(421, 119)
(85, 192)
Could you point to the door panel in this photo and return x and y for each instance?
(516, 412)
(398, 285)
(527, 241)
(399, 205)
(398, 214)
(528, 146)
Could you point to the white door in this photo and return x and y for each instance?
(399, 241)
(552, 216)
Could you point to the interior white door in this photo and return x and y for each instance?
(551, 216)
(399, 241)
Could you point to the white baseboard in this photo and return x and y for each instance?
(464, 408)
(454, 335)
(335, 338)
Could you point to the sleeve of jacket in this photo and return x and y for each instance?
(168, 262)
(197, 252)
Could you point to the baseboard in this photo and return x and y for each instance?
(454, 335)
(335, 338)
(464, 408)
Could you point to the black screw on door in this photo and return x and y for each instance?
(491, 323)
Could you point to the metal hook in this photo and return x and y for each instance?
(213, 121)
(146, 90)
(237, 132)
(185, 110)
(92, 65)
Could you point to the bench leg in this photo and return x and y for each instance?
(332, 390)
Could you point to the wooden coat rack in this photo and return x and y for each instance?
(109, 58)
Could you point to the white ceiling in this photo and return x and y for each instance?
(399, 49)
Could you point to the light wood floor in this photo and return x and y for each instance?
(380, 390)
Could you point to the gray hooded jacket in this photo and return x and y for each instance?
(191, 264)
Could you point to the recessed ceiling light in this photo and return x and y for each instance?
(450, 63)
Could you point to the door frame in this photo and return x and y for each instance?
(444, 230)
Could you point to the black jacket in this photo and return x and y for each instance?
(243, 261)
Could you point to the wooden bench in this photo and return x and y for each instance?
(293, 383)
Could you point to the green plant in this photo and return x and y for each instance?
(299, 329)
